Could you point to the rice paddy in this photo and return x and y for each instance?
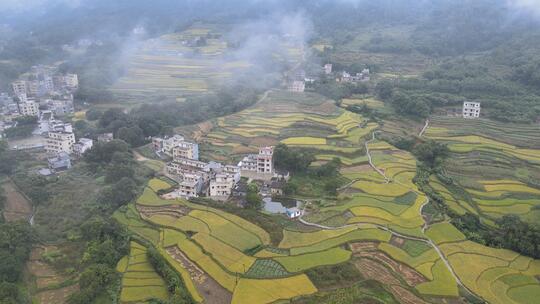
(171, 66)
(381, 197)
(139, 280)
(508, 150)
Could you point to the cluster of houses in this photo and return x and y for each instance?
(61, 146)
(297, 80)
(46, 94)
(43, 93)
(215, 180)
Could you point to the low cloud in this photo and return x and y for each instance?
(527, 6)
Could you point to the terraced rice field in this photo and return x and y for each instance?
(306, 120)
(482, 152)
(168, 66)
(219, 247)
(140, 282)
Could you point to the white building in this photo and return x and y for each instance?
(188, 189)
(19, 87)
(258, 166)
(83, 145)
(60, 139)
(297, 86)
(71, 81)
(186, 149)
(328, 68)
(221, 185)
(471, 109)
(29, 108)
(105, 137)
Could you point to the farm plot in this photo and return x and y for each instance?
(497, 275)
(168, 66)
(483, 151)
(139, 280)
(307, 121)
(17, 206)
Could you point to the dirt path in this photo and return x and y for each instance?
(424, 128)
(17, 206)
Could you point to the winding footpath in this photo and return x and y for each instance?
(424, 128)
(426, 240)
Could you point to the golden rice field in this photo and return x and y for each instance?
(140, 282)
(166, 66)
(504, 150)
(306, 120)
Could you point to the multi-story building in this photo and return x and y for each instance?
(186, 149)
(265, 160)
(71, 81)
(221, 185)
(32, 87)
(188, 189)
(19, 87)
(471, 109)
(258, 166)
(29, 108)
(297, 86)
(61, 107)
(83, 145)
(60, 139)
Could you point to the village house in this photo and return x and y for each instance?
(186, 149)
(105, 137)
(297, 86)
(328, 69)
(19, 87)
(176, 145)
(358, 77)
(29, 108)
(258, 166)
(293, 212)
(471, 109)
(59, 162)
(60, 139)
(221, 185)
(83, 145)
(276, 187)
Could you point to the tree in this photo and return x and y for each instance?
(431, 152)
(253, 199)
(292, 160)
(132, 135)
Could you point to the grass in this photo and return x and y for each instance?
(157, 184)
(150, 198)
(269, 291)
(306, 261)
